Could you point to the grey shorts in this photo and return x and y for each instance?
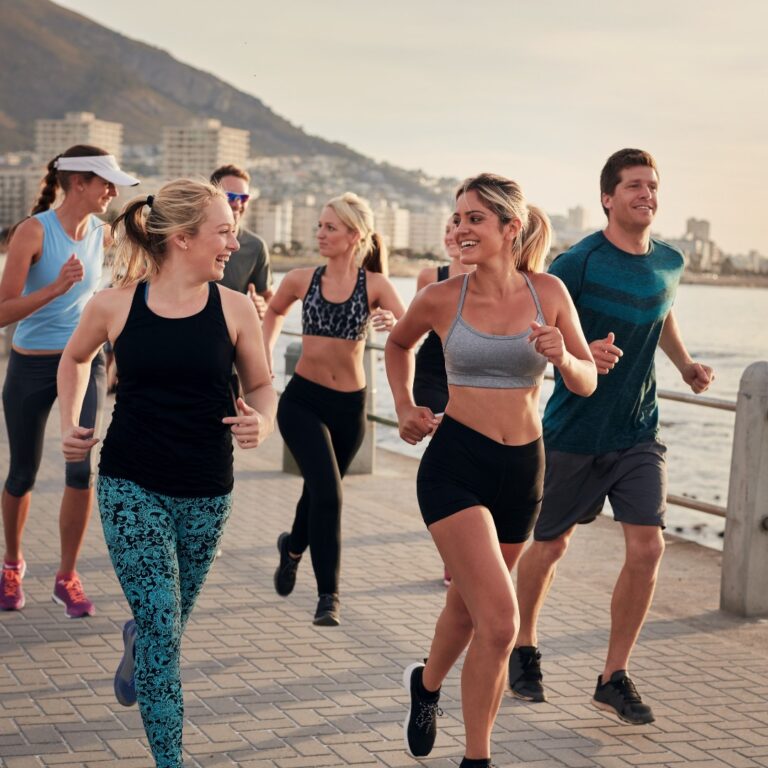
(576, 485)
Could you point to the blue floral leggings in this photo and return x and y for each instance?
(162, 548)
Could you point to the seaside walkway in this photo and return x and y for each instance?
(263, 687)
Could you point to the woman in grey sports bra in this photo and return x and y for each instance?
(480, 480)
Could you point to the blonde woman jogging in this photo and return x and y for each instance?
(166, 476)
(479, 484)
(322, 411)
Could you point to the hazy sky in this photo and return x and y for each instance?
(540, 91)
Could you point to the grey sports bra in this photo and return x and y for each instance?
(477, 359)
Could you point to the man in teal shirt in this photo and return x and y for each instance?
(623, 284)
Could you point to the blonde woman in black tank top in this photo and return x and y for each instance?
(166, 473)
(480, 480)
(321, 415)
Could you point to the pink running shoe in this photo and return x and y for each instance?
(11, 593)
(69, 593)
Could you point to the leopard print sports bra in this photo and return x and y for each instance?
(345, 320)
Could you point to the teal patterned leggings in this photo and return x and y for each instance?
(162, 548)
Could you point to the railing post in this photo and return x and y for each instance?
(744, 585)
(365, 460)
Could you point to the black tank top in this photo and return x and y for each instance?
(173, 391)
(430, 363)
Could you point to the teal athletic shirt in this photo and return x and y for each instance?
(630, 295)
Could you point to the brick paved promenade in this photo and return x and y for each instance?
(263, 687)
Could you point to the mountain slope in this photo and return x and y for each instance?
(121, 80)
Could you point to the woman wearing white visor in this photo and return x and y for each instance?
(52, 268)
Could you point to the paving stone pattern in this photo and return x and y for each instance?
(264, 687)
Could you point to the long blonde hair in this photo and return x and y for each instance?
(356, 214)
(146, 224)
(505, 198)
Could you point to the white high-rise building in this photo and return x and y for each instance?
(52, 137)
(393, 223)
(19, 191)
(272, 220)
(427, 229)
(197, 149)
(304, 222)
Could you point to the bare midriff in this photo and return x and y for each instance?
(508, 416)
(23, 351)
(333, 363)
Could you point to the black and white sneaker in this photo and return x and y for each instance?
(285, 575)
(620, 697)
(525, 674)
(420, 726)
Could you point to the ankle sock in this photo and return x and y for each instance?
(14, 564)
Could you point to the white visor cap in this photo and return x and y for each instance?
(102, 165)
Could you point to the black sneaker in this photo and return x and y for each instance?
(285, 575)
(327, 613)
(620, 697)
(525, 674)
(420, 726)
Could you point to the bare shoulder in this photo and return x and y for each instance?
(234, 300)
(115, 298)
(425, 277)
(27, 237)
(297, 280)
(546, 285)
(444, 292)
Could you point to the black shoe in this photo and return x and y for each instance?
(525, 674)
(327, 613)
(420, 726)
(285, 575)
(620, 697)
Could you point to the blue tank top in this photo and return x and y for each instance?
(345, 320)
(477, 359)
(52, 325)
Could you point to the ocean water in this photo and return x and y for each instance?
(724, 327)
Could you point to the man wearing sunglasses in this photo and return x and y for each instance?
(248, 269)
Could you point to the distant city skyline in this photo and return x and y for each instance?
(542, 92)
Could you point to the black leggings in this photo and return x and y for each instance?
(28, 395)
(323, 429)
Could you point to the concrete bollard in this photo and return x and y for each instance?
(744, 585)
(365, 460)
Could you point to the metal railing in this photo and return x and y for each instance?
(664, 394)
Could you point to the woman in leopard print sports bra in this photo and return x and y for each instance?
(321, 414)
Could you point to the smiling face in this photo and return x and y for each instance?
(97, 193)
(208, 252)
(334, 237)
(632, 206)
(449, 240)
(236, 186)
(479, 232)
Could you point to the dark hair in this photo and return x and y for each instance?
(229, 170)
(610, 176)
(54, 178)
(505, 198)
(376, 258)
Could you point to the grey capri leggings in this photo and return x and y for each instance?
(28, 395)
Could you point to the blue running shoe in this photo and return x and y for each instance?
(125, 685)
